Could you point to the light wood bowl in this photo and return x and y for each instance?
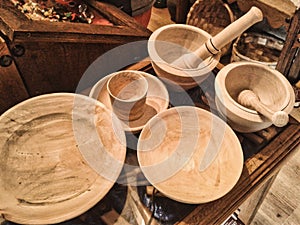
(172, 145)
(46, 147)
(169, 43)
(271, 87)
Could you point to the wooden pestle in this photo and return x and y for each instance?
(213, 45)
(249, 99)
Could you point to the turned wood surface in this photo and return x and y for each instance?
(157, 99)
(271, 87)
(44, 177)
(174, 143)
(169, 43)
(217, 42)
(249, 99)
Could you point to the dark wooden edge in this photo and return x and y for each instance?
(257, 170)
(15, 25)
(286, 59)
(12, 87)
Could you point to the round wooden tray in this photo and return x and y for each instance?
(172, 146)
(46, 143)
(157, 100)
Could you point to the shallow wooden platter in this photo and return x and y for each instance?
(172, 145)
(157, 100)
(46, 146)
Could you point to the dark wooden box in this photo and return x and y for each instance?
(41, 56)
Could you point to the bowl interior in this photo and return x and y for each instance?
(266, 83)
(174, 41)
(172, 146)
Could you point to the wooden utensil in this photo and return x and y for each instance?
(249, 99)
(213, 45)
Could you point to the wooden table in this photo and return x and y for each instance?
(265, 153)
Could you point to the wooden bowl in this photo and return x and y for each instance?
(172, 146)
(56, 157)
(170, 42)
(271, 87)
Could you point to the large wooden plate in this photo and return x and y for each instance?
(59, 155)
(172, 145)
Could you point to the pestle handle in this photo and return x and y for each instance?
(213, 45)
(249, 99)
(229, 33)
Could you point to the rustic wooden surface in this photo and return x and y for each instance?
(12, 87)
(44, 177)
(257, 169)
(251, 206)
(288, 62)
(283, 9)
(57, 54)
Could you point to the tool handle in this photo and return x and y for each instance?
(229, 33)
(249, 99)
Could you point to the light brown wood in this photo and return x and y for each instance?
(113, 218)
(278, 12)
(127, 90)
(249, 99)
(45, 144)
(157, 100)
(251, 205)
(217, 42)
(271, 87)
(172, 146)
(141, 212)
(212, 16)
(170, 42)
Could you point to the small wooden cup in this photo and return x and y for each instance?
(127, 91)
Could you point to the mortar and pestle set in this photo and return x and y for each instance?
(250, 96)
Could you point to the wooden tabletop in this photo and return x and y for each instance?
(265, 152)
